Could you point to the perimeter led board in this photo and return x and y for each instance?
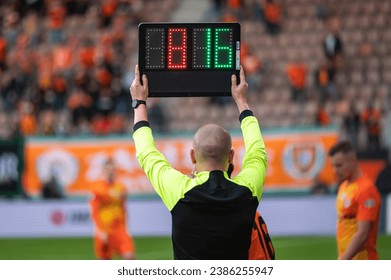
(189, 59)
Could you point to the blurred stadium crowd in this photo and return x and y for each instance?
(64, 66)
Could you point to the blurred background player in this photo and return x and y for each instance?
(358, 206)
(109, 217)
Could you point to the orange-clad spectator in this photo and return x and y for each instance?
(79, 98)
(236, 7)
(252, 66)
(109, 216)
(234, 4)
(44, 78)
(104, 53)
(118, 123)
(323, 77)
(108, 8)
(57, 13)
(107, 38)
(358, 206)
(103, 76)
(324, 80)
(59, 84)
(118, 31)
(22, 41)
(101, 125)
(272, 16)
(322, 117)
(87, 55)
(27, 121)
(297, 74)
(250, 62)
(62, 58)
(24, 56)
(79, 102)
(244, 50)
(3, 52)
(43, 60)
(80, 77)
(371, 118)
(228, 17)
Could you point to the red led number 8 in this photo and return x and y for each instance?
(177, 48)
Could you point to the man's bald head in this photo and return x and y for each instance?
(212, 143)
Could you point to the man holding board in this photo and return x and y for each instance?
(212, 215)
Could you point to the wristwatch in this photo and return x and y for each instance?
(137, 102)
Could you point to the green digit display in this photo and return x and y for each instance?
(223, 48)
(202, 38)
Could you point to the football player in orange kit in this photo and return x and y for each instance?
(109, 217)
(358, 206)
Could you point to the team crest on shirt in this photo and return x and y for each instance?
(346, 203)
(370, 203)
(303, 160)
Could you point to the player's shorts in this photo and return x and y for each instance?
(119, 243)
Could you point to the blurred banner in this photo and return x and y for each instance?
(55, 218)
(149, 217)
(11, 165)
(294, 159)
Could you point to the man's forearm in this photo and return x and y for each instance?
(242, 106)
(355, 246)
(140, 114)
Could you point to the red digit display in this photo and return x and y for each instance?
(177, 48)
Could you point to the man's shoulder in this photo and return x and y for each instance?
(365, 181)
(366, 185)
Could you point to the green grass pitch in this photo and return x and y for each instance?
(159, 248)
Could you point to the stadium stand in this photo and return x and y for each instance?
(64, 65)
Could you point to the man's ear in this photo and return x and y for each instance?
(192, 156)
(231, 156)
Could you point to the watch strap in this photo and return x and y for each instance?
(138, 102)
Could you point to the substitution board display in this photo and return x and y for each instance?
(189, 59)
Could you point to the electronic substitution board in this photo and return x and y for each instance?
(189, 59)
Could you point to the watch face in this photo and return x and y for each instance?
(137, 102)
